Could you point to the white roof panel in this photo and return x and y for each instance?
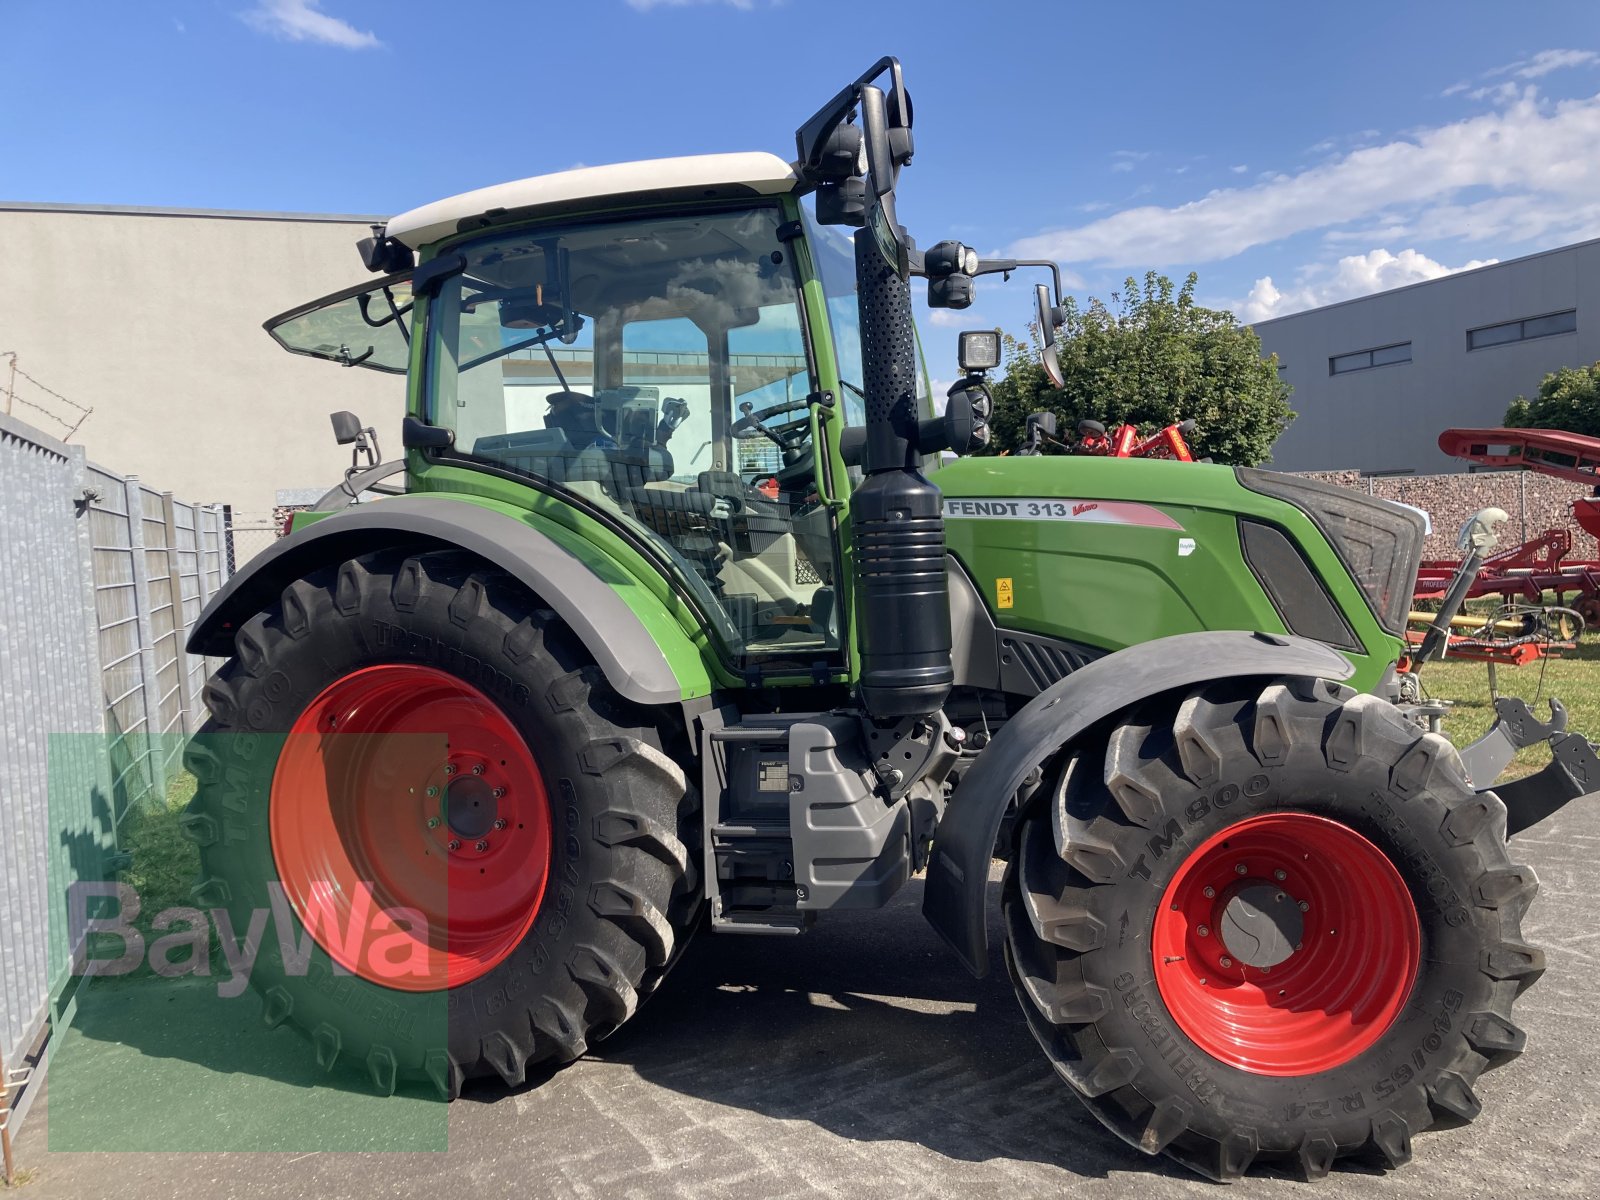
(762, 173)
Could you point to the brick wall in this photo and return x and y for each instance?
(1535, 502)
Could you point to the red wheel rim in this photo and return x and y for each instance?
(410, 827)
(1262, 1002)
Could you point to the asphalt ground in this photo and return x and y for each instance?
(857, 1060)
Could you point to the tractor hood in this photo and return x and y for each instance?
(1106, 553)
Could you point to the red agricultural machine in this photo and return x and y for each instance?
(1170, 442)
(1524, 628)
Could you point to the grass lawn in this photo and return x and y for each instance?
(164, 865)
(1574, 680)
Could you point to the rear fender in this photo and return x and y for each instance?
(645, 664)
(955, 894)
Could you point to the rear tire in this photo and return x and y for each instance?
(620, 893)
(1218, 1068)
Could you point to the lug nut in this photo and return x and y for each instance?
(449, 768)
(480, 845)
(1305, 906)
(1225, 961)
(433, 822)
(498, 792)
(1209, 893)
(453, 844)
(500, 822)
(1280, 875)
(433, 789)
(1204, 930)
(1240, 869)
(477, 768)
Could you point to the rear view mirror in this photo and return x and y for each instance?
(1048, 357)
(346, 427)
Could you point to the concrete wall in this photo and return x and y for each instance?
(155, 321)
(1388, 418)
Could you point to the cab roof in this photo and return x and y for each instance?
(701, 176)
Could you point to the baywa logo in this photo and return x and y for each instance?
(384, 944)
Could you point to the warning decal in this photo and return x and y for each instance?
(1094, 512)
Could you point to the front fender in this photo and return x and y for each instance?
(954, 896)
(585, 592)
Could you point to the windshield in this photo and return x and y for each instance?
(835, 257)
(368, 325)
(656, 368)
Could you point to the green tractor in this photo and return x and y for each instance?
(685, 609)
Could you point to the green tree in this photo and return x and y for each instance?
(1151, 358)
(1568, 399)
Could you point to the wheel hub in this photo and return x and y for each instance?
(470, 806)
(1261, 925)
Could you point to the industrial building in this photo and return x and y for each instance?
(1376, 378)
(152, 318)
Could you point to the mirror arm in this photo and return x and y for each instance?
(811, 136)
(1004, 266)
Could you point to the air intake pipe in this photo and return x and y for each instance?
(897, 522)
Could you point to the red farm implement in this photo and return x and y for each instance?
(1524, 628)
(1526, 572)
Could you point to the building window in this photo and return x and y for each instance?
(1522, 331)
(1382, 356)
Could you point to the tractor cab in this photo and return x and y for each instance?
(668, 368)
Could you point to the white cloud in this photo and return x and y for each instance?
(1240, 169)
(1501, 93)
(950, 318)
(1536, 156)
(1357, 275)
(1122, 164)
(303, 21)
(1544, 62)
(1535, 66)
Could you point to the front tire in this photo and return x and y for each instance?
(414, 731)
(1269, 925)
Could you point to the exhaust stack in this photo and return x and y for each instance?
(897, 520)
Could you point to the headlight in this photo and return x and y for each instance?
(1379, 543)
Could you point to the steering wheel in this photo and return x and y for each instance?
(784, 434)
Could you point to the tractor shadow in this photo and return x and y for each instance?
(868, 1027)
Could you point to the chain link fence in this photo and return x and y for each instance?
(248, 534)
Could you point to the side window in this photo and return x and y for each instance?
(767, 362)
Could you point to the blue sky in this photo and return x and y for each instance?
(1292, 154)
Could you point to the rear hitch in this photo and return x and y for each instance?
(1573, 771)
(1514, 727)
